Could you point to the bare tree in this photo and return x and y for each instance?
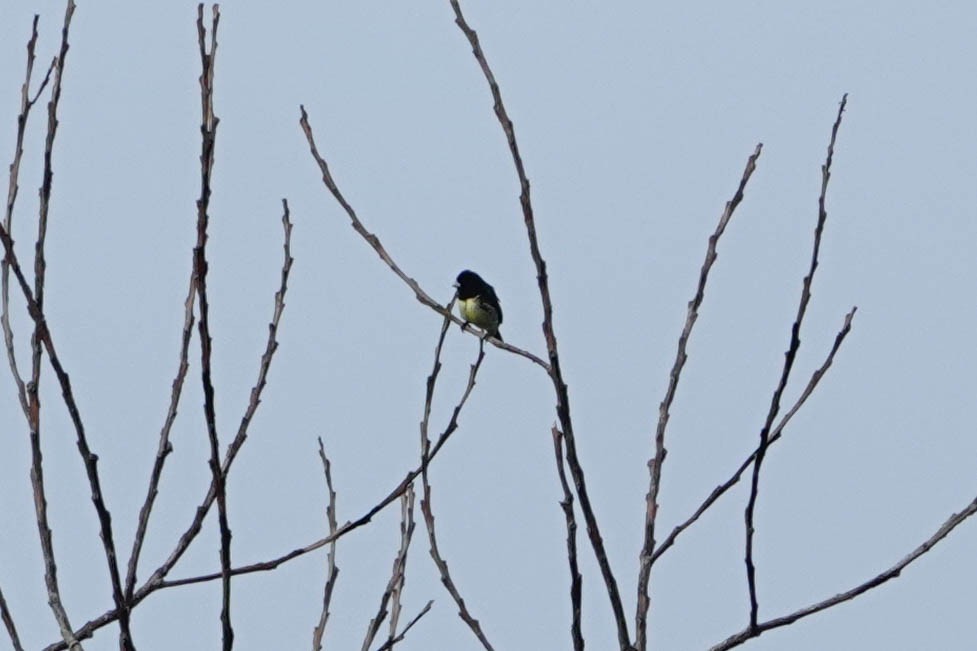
(128, 592)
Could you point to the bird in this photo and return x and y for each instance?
(478, 303)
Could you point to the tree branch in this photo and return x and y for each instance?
(389, 644)
(374, 242)
(789, 357)
(426, 509)
(555, 373)
(775, 435)
(576, 581)
(656, 462)
(332, 572)
(208, 132)
(751, 632)
(28, 398)
(396, 582)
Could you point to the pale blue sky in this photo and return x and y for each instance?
(635, 121)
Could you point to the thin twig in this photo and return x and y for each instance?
(432, 380)
(165, 447)
(789, 357)
(42, 339)
(397, 594)
(555, 373)
(761, 627)
(366, 517)
(332, 572)
(775, 435)
(426, 509)
(26, 393)
(40, 268)
(389, 644)
(26, 104)
(656, 462)
(188, 536)
(157, 580)
(374, 242)
(37, 473)
(208, 132)
(576, 580)
(396, 581)
(8, 622)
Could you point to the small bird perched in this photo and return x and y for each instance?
(478, 304)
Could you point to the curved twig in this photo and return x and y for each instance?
(374, 242)
(426, 510)
(555, 373)
(753, 631)
(646, 558)
(775, 435)
(789, 357)
(332, 572)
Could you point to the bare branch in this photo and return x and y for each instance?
(374, 242)
(25, 108)
(165, 447)
(8, 620)
(28, 403)
(396, 582)
(576, 580)
(235, 445)
(439, 561)
(332, 572)
(775, 435)
(389, 644)
(208, 132)
(789, 357)
(761, 627)
(656, 462)
(42, 338)
(555, 373)
(37, 473)
(156, 582)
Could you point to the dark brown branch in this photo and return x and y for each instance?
(208, 132)
(406, 531)
(27, 393)
(576, 580)
(555, 373)
(157, 580)
(439, 561)
(26, 104)
(389, 644)
(234, 447)
(761, 627)
(656, 462)
(432, 380)
(362, 520)
(42, 338)
(37, 473)
(396, 582)
(165, 447)
(8, 619)
(775, 435)
(34, 385)
(332, 572)
(789, 357)
(374, 242)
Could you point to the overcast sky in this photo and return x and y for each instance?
(635, 121)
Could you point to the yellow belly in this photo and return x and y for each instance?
(471, 310)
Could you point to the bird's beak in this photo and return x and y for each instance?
(455, 285)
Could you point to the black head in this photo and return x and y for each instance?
(469, 284)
